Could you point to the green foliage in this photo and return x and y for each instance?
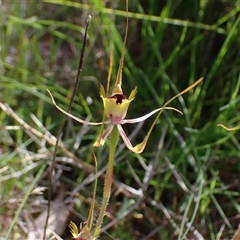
(188, 175)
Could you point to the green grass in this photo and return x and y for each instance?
(189, 172)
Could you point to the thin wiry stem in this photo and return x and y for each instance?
(63, 123)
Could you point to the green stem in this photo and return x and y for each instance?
(108, 181)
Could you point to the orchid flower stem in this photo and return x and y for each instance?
(108, 180)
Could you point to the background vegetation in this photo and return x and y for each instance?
(186, 183)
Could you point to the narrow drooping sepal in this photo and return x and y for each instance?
(103, 136)
(72, 116)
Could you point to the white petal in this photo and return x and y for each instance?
(107, 132)
(140, 119)
(124, 137)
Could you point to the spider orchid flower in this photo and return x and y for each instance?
(115, 109)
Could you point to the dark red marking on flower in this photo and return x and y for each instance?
(119, 98)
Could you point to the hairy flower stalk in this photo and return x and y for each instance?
(108, 181)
